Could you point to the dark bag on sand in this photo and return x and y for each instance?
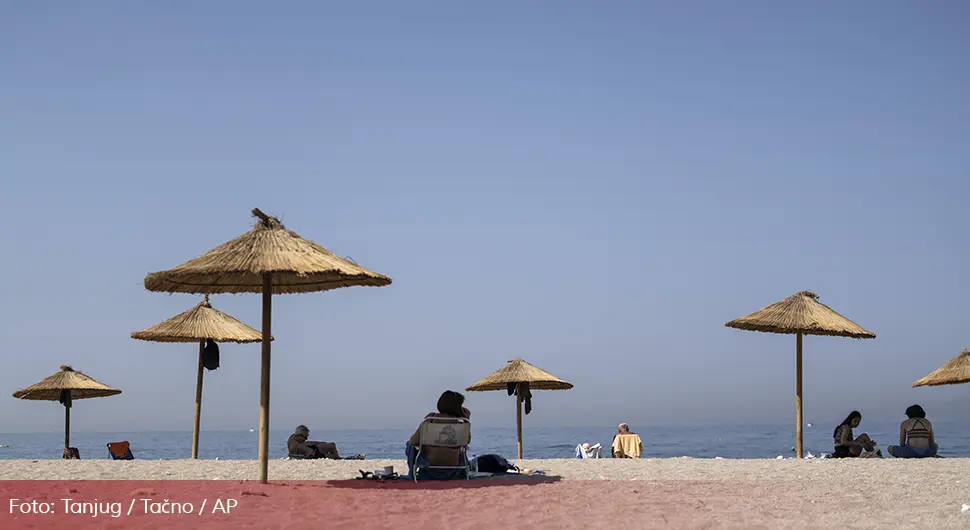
(210, 355)
(493, 464)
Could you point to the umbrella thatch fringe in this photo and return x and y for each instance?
(952, 373)
(297, 265)
(801, 313)
(519, 371)
(200, 323)
(80, 385)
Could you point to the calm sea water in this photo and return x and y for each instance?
(659, 442)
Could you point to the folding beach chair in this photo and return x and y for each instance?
(120, 451)
(71, 453)
(452, 433)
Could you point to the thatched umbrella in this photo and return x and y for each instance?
(520, 377)
(800, 314)
(66, 386)
(269, 259)
(196, 325)
(952, 373)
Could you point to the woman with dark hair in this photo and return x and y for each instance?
(916, 438)
(450, 405)
(846, 445)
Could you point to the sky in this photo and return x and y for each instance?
(594, 187)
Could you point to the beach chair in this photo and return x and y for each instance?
(452, 433)
(120, 451)
(71, 453)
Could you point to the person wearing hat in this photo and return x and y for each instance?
(297, 446)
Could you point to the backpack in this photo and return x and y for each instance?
(210, 355)
(493, 464)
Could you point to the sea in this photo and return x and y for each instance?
(734, 441)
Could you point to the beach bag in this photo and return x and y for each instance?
(210, 355)
(493, 464)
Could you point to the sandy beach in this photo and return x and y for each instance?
(647, 493)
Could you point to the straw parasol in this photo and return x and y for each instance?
(269, 259)
(800, 314)
(66, 386)
(952, 373)
(196, 325)
(519, 373)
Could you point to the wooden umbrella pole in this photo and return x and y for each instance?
(264, 380)
(798, 394)
(198, 401)
(518, 415)
(67, 425)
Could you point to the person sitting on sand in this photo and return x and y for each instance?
(297, 446)
(845, 445)
(916, 438)
(626, 444)
(449, 406)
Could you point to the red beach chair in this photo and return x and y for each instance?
(120, 451)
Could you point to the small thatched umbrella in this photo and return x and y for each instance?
(66, 386)
(952, 373)
(520, 377)
(196, 325)
(269, 259)
(800, 314)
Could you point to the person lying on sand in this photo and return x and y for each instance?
(916, 438)
(449, 406)
(298, 446)
(848, 447)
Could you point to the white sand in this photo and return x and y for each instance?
(870, 493)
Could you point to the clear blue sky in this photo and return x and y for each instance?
(595, 187)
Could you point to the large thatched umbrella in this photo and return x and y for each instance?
(800, 314)
(952, 373)
(196, 325)
(269, 259)
(66, 386)
(520, 377)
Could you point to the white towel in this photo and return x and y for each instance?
(594, 451)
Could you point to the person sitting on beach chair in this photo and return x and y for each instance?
(120, 451)
(848, 446)
(297, 446)
(441, 459)
(916, 438)
(626, 444)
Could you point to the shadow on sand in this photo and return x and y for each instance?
(407, 484)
